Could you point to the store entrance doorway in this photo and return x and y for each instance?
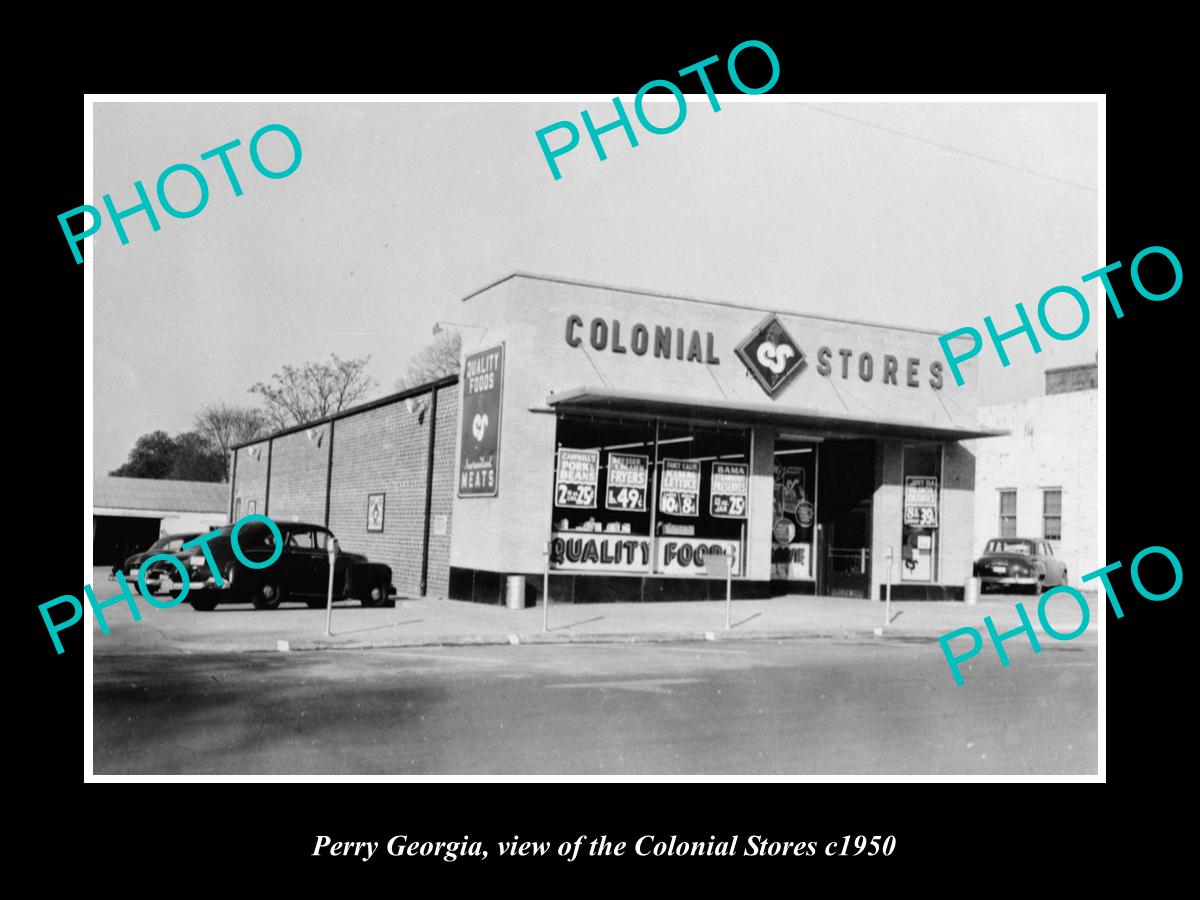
(844, 517)
(794, 550)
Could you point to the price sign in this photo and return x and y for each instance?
(679, 494)
(625, 488)
(729, 489)
(575, 481)
(920, 501)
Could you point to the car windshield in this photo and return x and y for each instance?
(1025, 548)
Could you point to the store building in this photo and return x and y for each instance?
(130, 514)
(1041, 479)
(620, 437)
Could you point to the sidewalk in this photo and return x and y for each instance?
(420, 622)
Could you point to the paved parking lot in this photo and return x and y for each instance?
(822, 706)
(635, 689)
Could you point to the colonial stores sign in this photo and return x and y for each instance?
(769, 353)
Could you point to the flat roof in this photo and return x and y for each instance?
(425, 388)
(161, 494)
(576, 282)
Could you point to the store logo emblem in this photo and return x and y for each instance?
(771, 355)
(479, 426)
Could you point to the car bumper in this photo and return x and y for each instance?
(1008, 580)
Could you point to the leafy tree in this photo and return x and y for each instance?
(300, 394)
(152, 456)
(436, 360)
(196, 459)
(188, 456)
(226, 426)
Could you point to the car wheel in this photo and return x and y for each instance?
(268, 596)
(1040, 587)
(376, 595)
(202, 602)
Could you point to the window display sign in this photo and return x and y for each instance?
(792, 531)
(479, 441)
(573, 551)
(578, 474)
(625, 487)
(920, 500)
(684, 556)
(730, 487)
(679, 494)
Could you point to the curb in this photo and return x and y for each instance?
(496, 640)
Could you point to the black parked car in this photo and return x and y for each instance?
(1020, 562)
(300, 573)
(161, 571)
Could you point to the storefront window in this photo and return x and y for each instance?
(922, 483)
(703, 477)
(633, 496)
(602, 471)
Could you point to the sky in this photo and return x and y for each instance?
(929, 215)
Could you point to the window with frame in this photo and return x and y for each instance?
(1008, 513)
(1052, 514)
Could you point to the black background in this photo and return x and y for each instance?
(251, 835)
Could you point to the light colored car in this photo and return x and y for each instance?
(1020, 563)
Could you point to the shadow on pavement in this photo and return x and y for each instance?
(380, 627)
(573, 624)
(745, 620)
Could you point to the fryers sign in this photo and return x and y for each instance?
(625, 487)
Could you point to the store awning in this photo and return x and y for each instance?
(617, 400)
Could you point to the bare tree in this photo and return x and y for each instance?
(226, 426)
(434, 361)
(300, 394)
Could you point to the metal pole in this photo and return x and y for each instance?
(887, 606)
(728, 593)
(546, 590)
(333, 549)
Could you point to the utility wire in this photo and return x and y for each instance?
(922, 140)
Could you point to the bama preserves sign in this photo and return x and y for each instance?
(479, 442)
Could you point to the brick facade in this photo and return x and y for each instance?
(380, 449)
(298, 469)
(1072, 378)
(250, 480)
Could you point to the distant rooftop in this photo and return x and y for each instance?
(1071, 378)
(162, 494)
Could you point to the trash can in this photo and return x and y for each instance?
(971, 593)
(514, 592)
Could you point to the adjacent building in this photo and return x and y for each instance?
(1040, 480)
(129, 514)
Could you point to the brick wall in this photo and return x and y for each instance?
(298, 472)
(250, 479)
(383, 451)
(1071, 378)
(444, 463)
(377, 451)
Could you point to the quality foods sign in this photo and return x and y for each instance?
(479, 441)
